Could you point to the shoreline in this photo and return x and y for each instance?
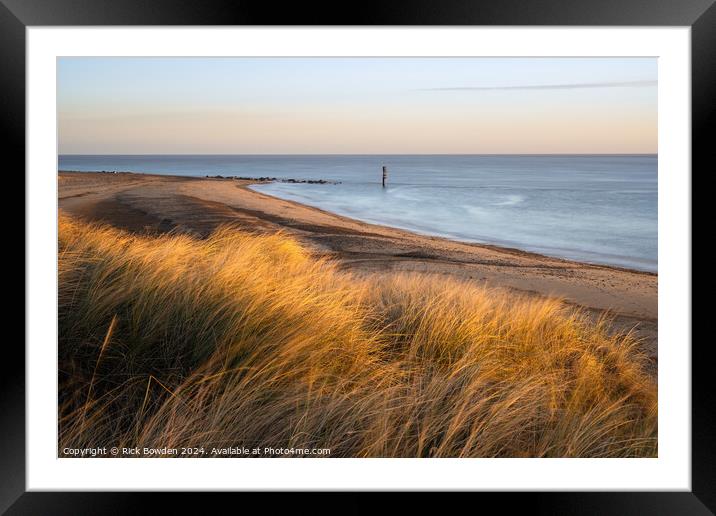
(160, 203)
(426, 234)
(244, 183)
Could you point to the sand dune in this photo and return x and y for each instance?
(198, 206)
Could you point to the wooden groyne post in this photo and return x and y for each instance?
(385, 174)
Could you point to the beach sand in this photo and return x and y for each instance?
(139, 202)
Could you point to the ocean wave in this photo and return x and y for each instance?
(510, 200)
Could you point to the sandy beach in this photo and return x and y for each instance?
(139, 202)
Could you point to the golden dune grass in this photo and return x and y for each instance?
(249, 340)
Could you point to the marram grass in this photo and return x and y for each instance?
(249, 341)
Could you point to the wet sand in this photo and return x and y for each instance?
(139, 202)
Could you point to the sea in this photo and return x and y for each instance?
(593, 208)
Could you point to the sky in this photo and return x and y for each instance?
(147, 105)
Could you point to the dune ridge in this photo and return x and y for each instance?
(240, 338)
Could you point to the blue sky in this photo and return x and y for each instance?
(357, 105)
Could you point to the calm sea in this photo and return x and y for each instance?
(593, 208)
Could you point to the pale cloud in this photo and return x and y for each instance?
(573, 86)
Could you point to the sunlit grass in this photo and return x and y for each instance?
(249, 340)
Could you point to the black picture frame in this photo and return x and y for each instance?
(17, 15)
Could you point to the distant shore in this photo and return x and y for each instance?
(159, 203)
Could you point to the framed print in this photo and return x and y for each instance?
(425, 249)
